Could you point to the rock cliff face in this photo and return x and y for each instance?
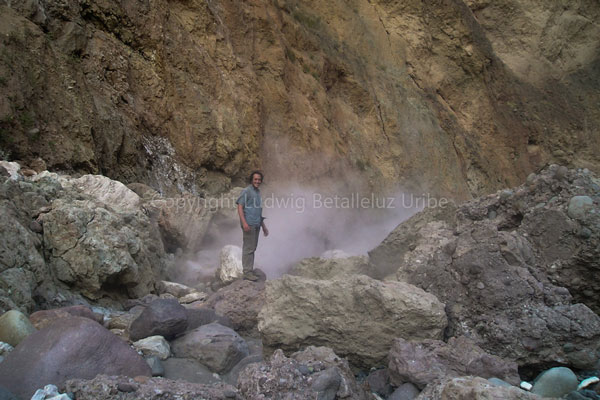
(452, 97)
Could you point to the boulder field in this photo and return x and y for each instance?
(458, 302)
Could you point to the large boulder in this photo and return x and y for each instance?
(93, 249)
(472, 388)
(68, 349)
(163, 317)
(316, 372)
(510, 268)
(214, 345)
(22, 265)
(41, 319)
(421, 362)
(357, 316)
(183, 221)
(14, 327)
(329, 268)
(555, 382)
(241, 302)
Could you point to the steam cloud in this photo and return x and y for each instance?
(305, 222)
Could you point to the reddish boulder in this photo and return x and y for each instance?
(43, 318)
(70, 348)
(240, 302)
(421, 362)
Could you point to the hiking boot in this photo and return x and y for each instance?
(250, 276)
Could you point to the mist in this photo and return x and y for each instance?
(305, 222)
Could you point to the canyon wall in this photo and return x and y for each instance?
(450, 97)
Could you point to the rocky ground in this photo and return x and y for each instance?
(474, 301)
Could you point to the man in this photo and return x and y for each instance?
(249, 206)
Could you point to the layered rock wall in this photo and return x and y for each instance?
(186, 96)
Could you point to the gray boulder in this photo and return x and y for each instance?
(188, 369)
(555, 382)
(156, 365)
(70, 348)
(421, 362)
(214, 345)
(163, 317)
(511, 267)
(183, 221)
(357, 316)
(22, 265)
(90, 247)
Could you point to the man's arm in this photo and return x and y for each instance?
(264, 228)
(245, 225)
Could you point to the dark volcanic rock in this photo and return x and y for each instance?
(421, 362)
(510, 266)
(214, 345)
(240, 302)
(203, 315)
(164, 317)
(70, 348)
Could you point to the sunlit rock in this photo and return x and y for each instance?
(357, 316)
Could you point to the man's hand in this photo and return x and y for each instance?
(265, 231)
(246, 227)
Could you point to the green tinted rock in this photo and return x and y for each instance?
(14, 327)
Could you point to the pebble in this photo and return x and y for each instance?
(585, 233)
(304, 370)
(127, 387)
(526, 385)
(230, 394)
(5, 348)
(587, 382)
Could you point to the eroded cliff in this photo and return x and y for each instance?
(452, 97)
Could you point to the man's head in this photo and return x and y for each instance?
(256, 178)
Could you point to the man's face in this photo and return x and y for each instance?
(256, 180)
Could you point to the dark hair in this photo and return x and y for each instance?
(262, 177)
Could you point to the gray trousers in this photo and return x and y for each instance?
(249, 247)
